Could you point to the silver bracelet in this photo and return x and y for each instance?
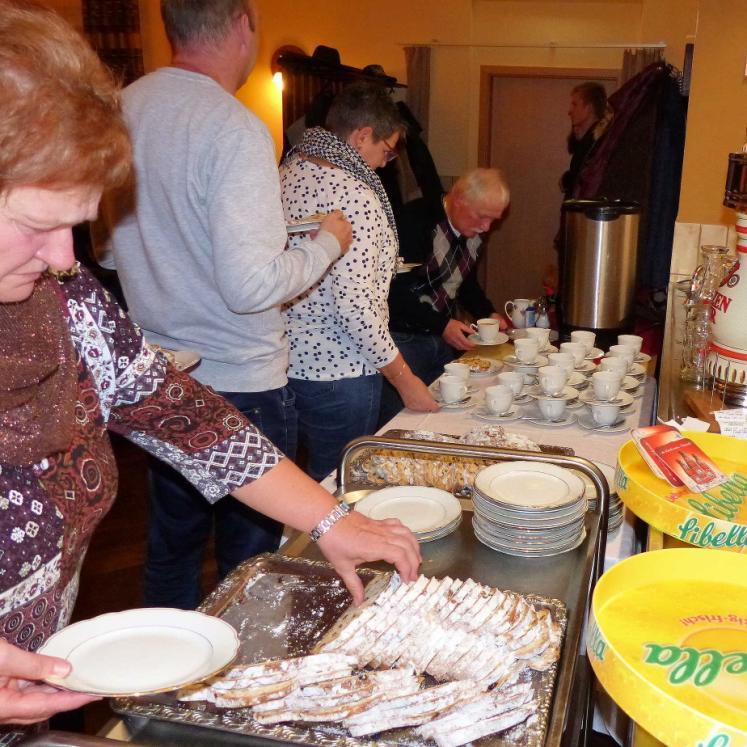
(337, 513)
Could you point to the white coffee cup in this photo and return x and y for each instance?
(619, 365)
(564, 360)
(552, 379)
(552, 409)
(540, 334)
(488, 330)
(576, 349)
(586, 338)
(453, 389)
(606, 384)
(526, 350)
(622, 351)
(499, 398)
(605, 413)
(460, 370)
(512, 379)
(632, 341)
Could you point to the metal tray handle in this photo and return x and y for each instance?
(488, 452)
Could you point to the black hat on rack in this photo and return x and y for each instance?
(326, 55)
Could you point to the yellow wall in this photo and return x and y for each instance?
(375, 33)
(68, 9)
(717, 115)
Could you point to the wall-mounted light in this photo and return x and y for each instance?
(275, 63)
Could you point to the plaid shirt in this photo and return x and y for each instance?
(453, 258)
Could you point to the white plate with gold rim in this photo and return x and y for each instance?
(420, 509)
(532, 485)
(141, 651)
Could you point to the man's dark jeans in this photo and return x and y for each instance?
(181, 519)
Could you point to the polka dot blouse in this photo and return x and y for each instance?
(339, 327)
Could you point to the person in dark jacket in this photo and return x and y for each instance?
(445, 239)
(589, 118)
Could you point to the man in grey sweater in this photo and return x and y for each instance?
(201, 256)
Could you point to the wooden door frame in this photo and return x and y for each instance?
(488, 72)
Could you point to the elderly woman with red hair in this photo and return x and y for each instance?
(73, 365)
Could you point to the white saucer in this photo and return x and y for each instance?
(468, 401)
(642, 358)
(622, 398)
(594, 353)
(585, 366)
(577, 380)
(637, 370)
(477, 340)
(484, 414)
(568, 393)
(586, 421)
(141, 651)
(629, 384)
(523, 398)
(569, 419)
(512, 360)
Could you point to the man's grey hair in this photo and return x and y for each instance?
(190, 22)
(483, 186)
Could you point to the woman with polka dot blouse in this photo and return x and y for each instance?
(339, 339)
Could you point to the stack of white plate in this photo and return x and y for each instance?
(428, 513)
(616, 505)
(529, 509)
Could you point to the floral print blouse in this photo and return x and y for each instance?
(48, 511)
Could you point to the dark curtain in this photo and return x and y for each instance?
(640, 159)
(113, 28)
(637, 60)
(411, 181)
(418, 61)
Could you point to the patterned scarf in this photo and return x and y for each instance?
(449, 264)
(321, 143)
(38, 377)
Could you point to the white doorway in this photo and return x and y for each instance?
(524, 127)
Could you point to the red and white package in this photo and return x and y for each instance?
(676, 459)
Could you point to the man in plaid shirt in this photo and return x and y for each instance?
(446, 240)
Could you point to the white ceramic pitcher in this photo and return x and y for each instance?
(516, 311)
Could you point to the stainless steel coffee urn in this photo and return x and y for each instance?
(599, 264)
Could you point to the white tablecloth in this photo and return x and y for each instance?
(596, 446)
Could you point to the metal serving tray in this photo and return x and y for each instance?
(282, 607)
(304, 611)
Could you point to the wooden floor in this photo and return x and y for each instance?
(112, 577)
